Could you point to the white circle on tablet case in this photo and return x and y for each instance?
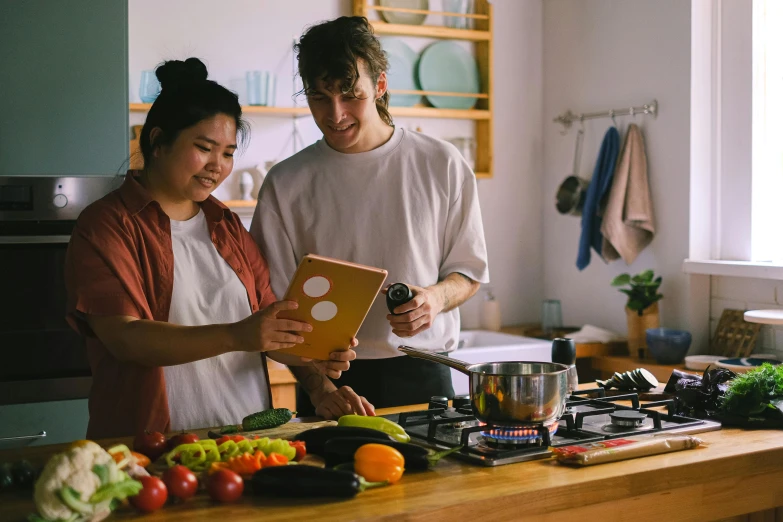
(316, 286)
(324, 311)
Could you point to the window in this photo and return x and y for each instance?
(767, 153)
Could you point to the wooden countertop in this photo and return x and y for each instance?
(737, 472)
(583, 350)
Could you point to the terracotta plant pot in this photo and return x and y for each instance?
(637, 325)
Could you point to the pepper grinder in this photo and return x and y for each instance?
(564, 352)
(396, 295)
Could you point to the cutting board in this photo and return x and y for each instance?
(287, 431)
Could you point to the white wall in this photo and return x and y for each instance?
(241, 35)
(602, 54)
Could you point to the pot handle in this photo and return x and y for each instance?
(434, 357)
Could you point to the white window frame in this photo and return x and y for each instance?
(721, 144)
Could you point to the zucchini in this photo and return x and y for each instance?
(264, 420)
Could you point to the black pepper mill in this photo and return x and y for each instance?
(396, 295)
(564, 352)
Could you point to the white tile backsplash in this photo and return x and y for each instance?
(746, 289)
(742, 293)
(718, 305)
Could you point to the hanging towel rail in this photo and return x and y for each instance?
(568, 118)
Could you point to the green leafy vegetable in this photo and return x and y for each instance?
(73, 500)
(752, 393)
(118, 490)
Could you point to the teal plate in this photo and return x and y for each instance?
(401, 72)
(743, 364)
(405, 18)
(447, 67)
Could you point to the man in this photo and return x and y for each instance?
(377, 195)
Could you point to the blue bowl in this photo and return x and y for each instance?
(668, 346)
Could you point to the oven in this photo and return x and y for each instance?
(43, 359)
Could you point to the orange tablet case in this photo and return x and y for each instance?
(334, 297)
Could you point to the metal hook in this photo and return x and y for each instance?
(582, 123)
(611, 115)
(633, 113)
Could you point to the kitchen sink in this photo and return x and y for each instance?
(480, 346)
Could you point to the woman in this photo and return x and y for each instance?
(168, 287)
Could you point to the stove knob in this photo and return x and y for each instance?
(438, 403)
(461, 401)
(60, 200)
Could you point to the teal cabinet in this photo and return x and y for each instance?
(63, 421)
(64, 87)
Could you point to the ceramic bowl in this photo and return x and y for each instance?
(668, 346)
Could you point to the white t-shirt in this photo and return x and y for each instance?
(410, 206)
(224, 389)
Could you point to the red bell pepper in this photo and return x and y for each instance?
(299, 446)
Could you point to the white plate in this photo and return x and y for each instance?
(701, 362)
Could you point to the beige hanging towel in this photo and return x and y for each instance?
(627, 225)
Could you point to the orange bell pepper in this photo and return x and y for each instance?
(275, 459)
(379, 463)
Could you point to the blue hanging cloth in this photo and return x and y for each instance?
(599, 187)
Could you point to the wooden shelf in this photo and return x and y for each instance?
(482, 39)
(430, 31)
(249, 109)
(239, 203)
(426, 12)
(402, 112)
(479, 95)
(432, 112)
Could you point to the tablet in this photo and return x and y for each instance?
(334, 298)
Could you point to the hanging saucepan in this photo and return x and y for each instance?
(572, 192)
(510, 393)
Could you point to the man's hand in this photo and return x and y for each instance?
(338, 362)
(418, 314)
(343, 401)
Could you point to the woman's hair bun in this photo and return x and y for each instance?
(176, 73)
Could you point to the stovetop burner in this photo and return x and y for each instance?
(511, 438)
(627, 418)
(590, 416)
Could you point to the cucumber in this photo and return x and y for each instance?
(263, 420)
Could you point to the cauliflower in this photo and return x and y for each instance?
(80, 485)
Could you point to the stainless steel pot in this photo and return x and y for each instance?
(510, 393)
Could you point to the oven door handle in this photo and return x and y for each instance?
(41, 435)
(29, 240)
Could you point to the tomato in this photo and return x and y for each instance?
(181, 482)
(181, 438)
(151, 444)
(152, 495)
(225, 486)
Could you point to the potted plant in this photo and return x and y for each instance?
(641, 310)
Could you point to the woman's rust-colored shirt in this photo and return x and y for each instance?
(120, 262)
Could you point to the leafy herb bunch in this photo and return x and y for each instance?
(755, 391)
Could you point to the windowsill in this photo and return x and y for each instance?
(734, 269)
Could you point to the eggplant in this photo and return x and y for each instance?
(341, 450)
(308, 482)
(315, 438)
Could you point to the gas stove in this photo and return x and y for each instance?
(590, 416)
